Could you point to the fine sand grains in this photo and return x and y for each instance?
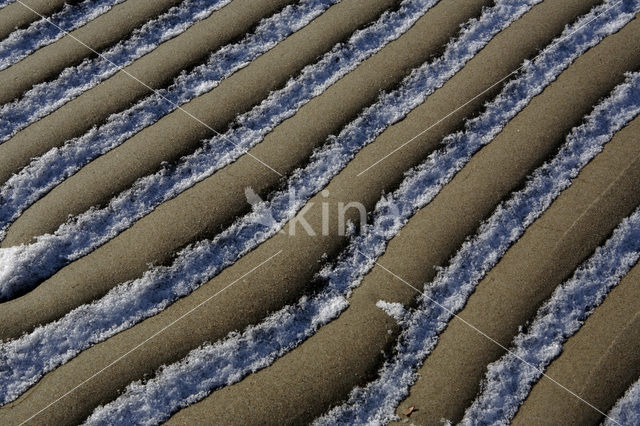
(598, 363)
(16, 16)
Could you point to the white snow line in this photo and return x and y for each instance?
(627, 409)
(507, 381)
(46, 97)
(228, 361)
(376, 402)
(47, 171)
(21, 43)
(131, 302)
(402, 145)
(85, 232)
(153, 336)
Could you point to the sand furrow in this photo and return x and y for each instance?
(162, 271)
(350, 94)
(105, 30)
(15, 16)
(177, 133)
(599, 363)
(118, 92)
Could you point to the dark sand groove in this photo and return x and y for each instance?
(598, 363)
(156, 69)
(16, 16)
(103, 31)
(285, 149)
(347, 351)
(285, 279)
(578, 221)
(177, 134)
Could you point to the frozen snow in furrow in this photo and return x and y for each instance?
(46, 97)
(21, 43)
(85, 232)
(48, 346)
(448, 292)
(45, 172)
(509, 380)
(627, 409)
(228, 361)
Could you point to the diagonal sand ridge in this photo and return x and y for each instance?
(598, 363)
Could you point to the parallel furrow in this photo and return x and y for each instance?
(206, 259)
(447, 293)
(71, 49)
(47, 30)
(168, 245)
(45, 98)
(49, 170)
(155, 70)
(98, 226)
(289, 325)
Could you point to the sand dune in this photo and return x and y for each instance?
(124, 254)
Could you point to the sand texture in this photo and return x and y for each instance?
(317, 373)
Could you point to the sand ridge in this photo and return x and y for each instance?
(120, 91)
(347, 352)
(16, 16)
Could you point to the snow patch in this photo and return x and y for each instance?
(627, 409)
(394, 310)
